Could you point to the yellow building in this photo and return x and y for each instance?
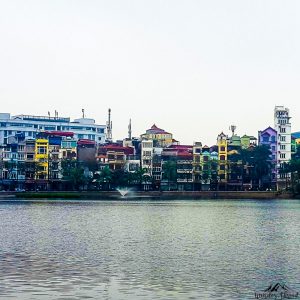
(160, 137)
(41, 158)
(223, 155)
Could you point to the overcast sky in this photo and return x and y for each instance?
(191, 67)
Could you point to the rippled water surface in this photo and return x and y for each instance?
(147, 250)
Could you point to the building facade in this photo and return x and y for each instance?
(268, 137)
(159, 136)
(29, 126)
(283, 126)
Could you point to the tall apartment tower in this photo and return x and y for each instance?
(284, 140)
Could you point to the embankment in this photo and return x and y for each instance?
(158, 195)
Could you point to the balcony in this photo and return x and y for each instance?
(185, 171)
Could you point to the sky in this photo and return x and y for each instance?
(192, 67)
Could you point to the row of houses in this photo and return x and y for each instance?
(35, 160)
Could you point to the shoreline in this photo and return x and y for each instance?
(149, 195)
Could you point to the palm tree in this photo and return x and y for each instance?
(139, 175)
(105, 178)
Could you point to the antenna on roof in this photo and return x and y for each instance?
(49, 114)
(232, 128)
(109, 127)
(129, 130)
(83, 113)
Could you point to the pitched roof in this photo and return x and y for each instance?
(296, 134)
(154, 129)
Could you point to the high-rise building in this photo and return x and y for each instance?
(284, 154)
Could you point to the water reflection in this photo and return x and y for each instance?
(147, 250)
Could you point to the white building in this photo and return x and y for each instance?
(29, 126)
(147, 156)
(284, 140)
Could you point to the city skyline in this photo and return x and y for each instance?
(193, 69)
(227, 130)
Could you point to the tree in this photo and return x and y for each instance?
(139, 176)
(260, 163)
(293, 167)
(120, 178)
(170, 171)
(105, 178)
(73, 172)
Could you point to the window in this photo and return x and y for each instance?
(29, 156)
(42, 150)
(282, 147)
(222, 148)
(282, 130)
(222, 157)
(265, 139)
(282, 155)
(147, 153)
(282, 138)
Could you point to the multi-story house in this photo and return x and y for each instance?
(222, 143)
(234, 164)
(206, 168)
(247, 141)
(42, 162)
(68, 149)
(214, 157)
(159, 136)
(157, 167)
(30, 164)
(268, 137)
(114, 155)
(185, 170)
(197, 168)
(147, 151)
(13, 164)
(284, 152)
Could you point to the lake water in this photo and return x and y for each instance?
(213, 249)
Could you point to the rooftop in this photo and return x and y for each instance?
(155, 130)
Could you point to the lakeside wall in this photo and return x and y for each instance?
(157, 195)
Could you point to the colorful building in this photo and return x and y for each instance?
(247, 141)
(159, 136)
(268, 137)
(42, 159)
(222, 142)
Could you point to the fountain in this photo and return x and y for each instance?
(123, 192)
